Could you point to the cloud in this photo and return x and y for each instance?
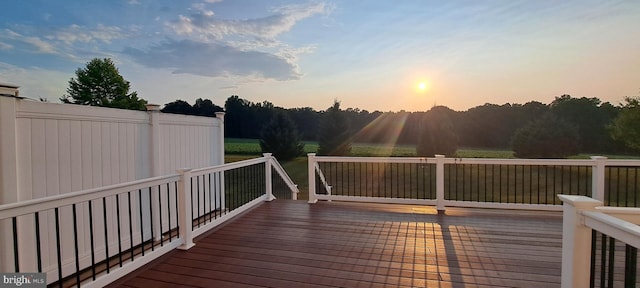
(37, 43)
(75, 33)
(205, 25)
(215, 60)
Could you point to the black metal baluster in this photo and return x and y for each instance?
(130, 225)
(153, 244)
(93, 251)
(141, 220)
(38, 246)
(570, 180)
(500, 181)
(592, 275)
(612, 253)
(160, 216)
(618, 186)
(484, 168)
(106, 235)
(198, 198)
(58, 248)
(119, 230)
(630, 266)
(169, 212)
(175, 192)
(603, 260)
(16, 256)
(463, 191)
(75, 244)
(211, 195)
(191, 201)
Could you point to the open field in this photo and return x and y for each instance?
(237, 146)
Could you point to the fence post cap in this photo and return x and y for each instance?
(580, 201)
(311, 154)
(599, 157)
(184, 170)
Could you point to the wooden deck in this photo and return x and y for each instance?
(288, 243)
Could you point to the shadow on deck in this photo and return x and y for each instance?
(288, 243)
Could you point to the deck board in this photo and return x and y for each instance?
(329, 244)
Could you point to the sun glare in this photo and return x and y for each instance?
(422, 86)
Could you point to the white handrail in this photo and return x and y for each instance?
(614, 227)
(322, 178)
(40, 204)
(283, 174)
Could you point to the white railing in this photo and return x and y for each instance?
(466, 182)
(581, 217)
(110, 231)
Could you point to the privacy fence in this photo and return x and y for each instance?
(49, 149)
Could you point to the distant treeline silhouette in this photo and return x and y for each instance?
(487, 126)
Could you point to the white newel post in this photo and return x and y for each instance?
(440, 183)
(312, 177)
(8, 166)
(154, 160)
(597, 177)
(220, 115)
(576, 240)
(267, 176)
(184, 209)
(220, 161)
(8, 145)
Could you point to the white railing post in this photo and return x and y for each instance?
(576, 240)
(154, 125)
(220, 152)
(184, 209)
(267, 176)
(597, 177)
(312, 177)
(440, 183)
(294, 195)
(8, 147)
(8, 165)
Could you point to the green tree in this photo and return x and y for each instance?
(178, 107)
(626, 127)
(281, 138)
(437, 135)
(100, 84)
(590, 117)
(334, 137)
(547, 137)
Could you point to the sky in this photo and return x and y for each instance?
(372, 55)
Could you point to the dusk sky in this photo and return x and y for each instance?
(372, 55)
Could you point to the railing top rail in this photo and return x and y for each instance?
(432, 160)
(617, 228)
(623, 162)
(228, 166)
(41, 204)
(283, 174)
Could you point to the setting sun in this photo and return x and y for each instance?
(422, 86)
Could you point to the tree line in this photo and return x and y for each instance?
(586, 125)
(564, 127)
